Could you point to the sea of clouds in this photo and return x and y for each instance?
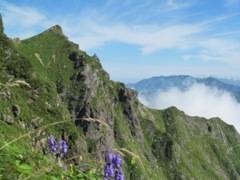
(198, 100)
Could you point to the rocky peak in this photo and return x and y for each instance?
(55, 30)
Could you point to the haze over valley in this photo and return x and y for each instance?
(204, 97)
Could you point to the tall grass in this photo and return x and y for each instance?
(72, 172)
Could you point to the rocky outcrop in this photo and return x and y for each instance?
(129, 97)
(55, 29)
(36, 122)
(8, 119)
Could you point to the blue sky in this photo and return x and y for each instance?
(137, 39)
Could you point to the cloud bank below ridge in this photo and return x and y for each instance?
(198, 100)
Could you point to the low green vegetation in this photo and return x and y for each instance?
(50, 87)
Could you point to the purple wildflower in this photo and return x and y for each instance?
(111, 169)
(119, 175)
(106, 171)
(117, 161)
(63, 146)
(110, 156)
(52, 144)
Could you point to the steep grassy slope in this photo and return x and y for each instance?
(49, 80)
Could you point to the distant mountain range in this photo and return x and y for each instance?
(184, 82)
(230, 81)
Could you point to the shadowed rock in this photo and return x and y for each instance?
(16, 110)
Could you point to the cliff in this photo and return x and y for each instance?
(49, 86)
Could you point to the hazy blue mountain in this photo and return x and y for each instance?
(163, 83)
(230, 81)
(183, 82)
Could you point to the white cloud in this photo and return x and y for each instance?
(175, 4)
(150, 38)
(199, 100)
(218, 49)
(24, 16)
(234, 33)
(23, 21)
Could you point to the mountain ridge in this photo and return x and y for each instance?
(182, 82)
(94, 115)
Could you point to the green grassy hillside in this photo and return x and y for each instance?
(50, 87)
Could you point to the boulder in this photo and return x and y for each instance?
(36, 122)
(8, 119)
(16, 110)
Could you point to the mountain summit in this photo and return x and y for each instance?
(50, 88)
(55, 29)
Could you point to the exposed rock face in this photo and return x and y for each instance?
(163, 146)
(97, 137)
(129, 97)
